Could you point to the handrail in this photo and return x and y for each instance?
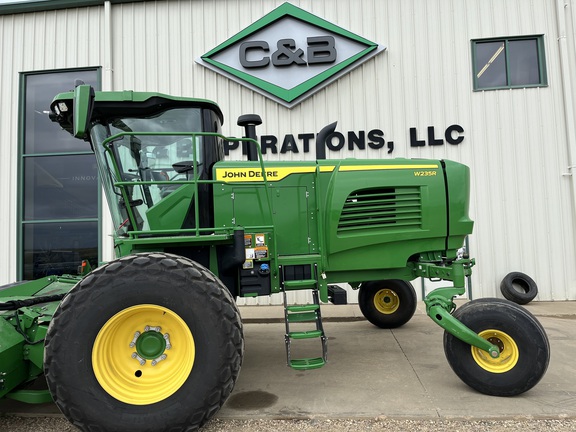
(108, 143)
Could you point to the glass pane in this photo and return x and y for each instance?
(58, 248)
(40, 134)
(60, 187)
(490, 64)
(523, 62)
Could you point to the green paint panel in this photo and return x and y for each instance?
(13, 368)
(362, 215)
(169, 213)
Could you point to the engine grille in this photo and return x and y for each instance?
(383, 209)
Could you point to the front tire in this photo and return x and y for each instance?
(148, 342)
(524, 348)
(387, 303)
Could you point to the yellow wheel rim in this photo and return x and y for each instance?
(143, 354)
(386, 301)
(509, 353)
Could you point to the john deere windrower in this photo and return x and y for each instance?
(153, 340)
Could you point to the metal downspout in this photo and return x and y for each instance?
(107, 83)
(568, 99)
(106, 225)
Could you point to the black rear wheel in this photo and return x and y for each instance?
(387, 303)
(149, 342)
(523, 344)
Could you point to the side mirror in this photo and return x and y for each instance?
(183, 167)
(83, 104)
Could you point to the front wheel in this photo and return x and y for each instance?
(387, 303)
(148, 342)
(523, 344)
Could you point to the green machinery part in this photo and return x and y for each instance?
(25, 313)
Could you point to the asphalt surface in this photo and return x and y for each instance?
(375, 374)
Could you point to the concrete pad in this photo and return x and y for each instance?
(393, 373)
(371, 373)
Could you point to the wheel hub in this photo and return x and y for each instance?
(386, 301)
(128, 349)
(509, 352)
(150, 344)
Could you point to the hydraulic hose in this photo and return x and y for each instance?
(17, 304)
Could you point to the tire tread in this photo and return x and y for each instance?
(232, 348)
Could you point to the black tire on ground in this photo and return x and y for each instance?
(519, 288)
(191, 318)
(524, 348)
(387, 303)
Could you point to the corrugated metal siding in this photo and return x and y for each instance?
(34, 42)
(515, 140)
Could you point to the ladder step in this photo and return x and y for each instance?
(310, 334)
(302, 308)
(307, 363)
(300, 284)
(302, 317)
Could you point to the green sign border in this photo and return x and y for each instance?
(288, 9)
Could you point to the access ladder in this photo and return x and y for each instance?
(302, 314)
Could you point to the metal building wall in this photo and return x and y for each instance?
(34, 42)
(516, 141)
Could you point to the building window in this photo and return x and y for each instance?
(59, 194)
(509, 63)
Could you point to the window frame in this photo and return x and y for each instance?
(23, 156)
(541, 57)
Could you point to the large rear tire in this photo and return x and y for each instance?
(148, 342)
(387, 303)
(524, 348)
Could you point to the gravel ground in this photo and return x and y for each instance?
(52, 424)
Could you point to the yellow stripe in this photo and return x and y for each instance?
(385, 167)
(273, 174)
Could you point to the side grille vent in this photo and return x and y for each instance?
(383, 209)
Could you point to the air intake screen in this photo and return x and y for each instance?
(381, 210)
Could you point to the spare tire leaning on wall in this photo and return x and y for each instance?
(519, 288)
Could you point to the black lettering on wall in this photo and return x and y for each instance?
(254, 46)
(306, 137)
(321, 49)
(284, 56)
(269, 142)
(450, 131)
(230, 145)
(289, 144)
(376, 137)
(432, 137)
(414, 141)
(453, 135)
(358, 140)
(340, 141)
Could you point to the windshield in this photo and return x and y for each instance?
(144, 157)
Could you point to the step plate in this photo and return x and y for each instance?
(307, 363)
(310, 334)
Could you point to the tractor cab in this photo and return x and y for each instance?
(154, 152)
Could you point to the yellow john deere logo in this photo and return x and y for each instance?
(289, 54)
